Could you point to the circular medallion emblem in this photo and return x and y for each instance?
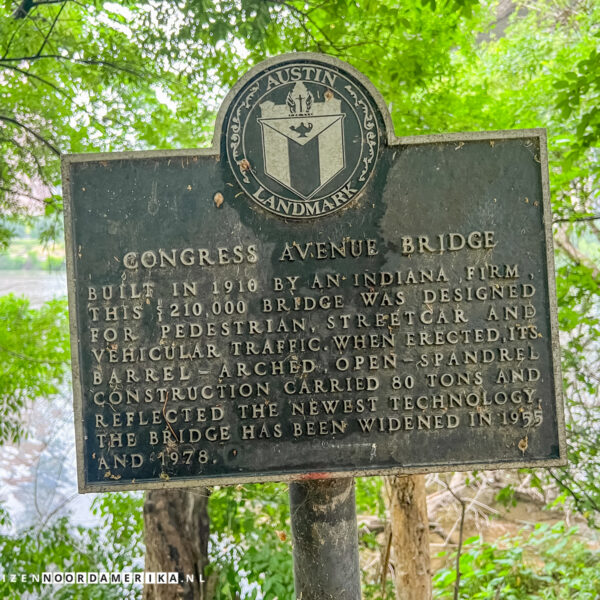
(302, 139)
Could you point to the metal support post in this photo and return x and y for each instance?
(325, 539)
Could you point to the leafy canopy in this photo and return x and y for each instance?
(110, 76)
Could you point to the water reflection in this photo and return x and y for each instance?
(38, 476)
(37, 286)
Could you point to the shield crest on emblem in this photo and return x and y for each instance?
(303, 141)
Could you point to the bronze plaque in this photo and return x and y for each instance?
(312, 296)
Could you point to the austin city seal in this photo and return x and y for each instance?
(302, 139)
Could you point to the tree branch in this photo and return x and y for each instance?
(573, 219)
(55, 87)
(50, 2)
(386, 559)
(23, 9)
(47, 36)
(38, 78)
(562, 240)
(35, 134)
(27, 6)
(43, 361)
(82, 61)
(12, 37)
(306, 16)
(463, 508)
(21, 193)
(57, 508)
(578, 501)
(23, 151)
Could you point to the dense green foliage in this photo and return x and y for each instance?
(116, 546)
(251, 546)
(110, 76)
(549, 563)
(34, 351)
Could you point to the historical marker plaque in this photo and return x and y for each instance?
(312, 295)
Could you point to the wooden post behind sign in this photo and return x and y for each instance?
(325, 539)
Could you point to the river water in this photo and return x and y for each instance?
(37, 286)
(38, 475)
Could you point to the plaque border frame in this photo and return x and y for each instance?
(391, 140)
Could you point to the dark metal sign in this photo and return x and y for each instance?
(312, 296)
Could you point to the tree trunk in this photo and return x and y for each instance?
(176, 529)
(407, 503)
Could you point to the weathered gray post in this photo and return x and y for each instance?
(325, 539)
